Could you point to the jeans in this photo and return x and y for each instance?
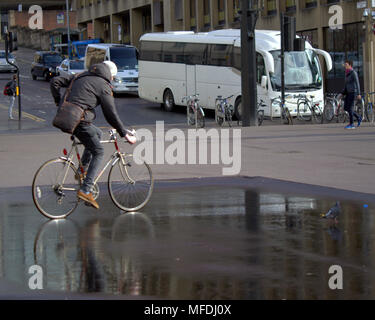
(11, 104)
(90, 136)
(349, 105)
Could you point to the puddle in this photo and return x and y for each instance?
(197, 241)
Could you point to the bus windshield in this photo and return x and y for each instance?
(124, 58)
(302, 70)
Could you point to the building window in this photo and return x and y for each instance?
(344, 44)
(206, 13)
(193, 15)
(236, 8)
(290, 5)
(221, 9)
(311, 36)
(271, 7)
(310, 4)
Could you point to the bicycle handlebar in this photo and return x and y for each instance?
(191, 97)
(219, 98)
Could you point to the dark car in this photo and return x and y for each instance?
(44, 64)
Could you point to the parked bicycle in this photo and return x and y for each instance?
(224, 111)
(194, 112)
(56, 182)
(308, 109)
(260, 113)
(285, 115)
(369, 107)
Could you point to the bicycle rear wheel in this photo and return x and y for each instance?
(329, 110)
(200, 118)
(54, 189)
(130, 183)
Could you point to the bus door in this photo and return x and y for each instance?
(191, 87)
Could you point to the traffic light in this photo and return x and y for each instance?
(13, 46)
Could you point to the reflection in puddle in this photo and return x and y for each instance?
(202, 243)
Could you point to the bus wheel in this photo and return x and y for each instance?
(238, 109)
(168, 100)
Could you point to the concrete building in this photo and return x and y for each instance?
(124, 21)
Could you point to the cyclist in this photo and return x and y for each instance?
(90, 89)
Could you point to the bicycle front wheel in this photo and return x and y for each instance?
(329, 110)
(191, 116)
(130, 183)
(303, 111)
(55, 188)
(370, 112)
(317, 114)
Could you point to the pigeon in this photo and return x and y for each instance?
(333, 213)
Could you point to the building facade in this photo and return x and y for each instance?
(337, 26)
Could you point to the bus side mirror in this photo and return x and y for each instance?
(264, 82)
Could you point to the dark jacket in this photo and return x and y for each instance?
(90, 89)
(352, 83)
(13, 86)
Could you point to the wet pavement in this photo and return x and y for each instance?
(224, 238)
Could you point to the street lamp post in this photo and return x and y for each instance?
(68, 27)
(249, 15)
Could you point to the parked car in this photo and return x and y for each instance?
(4, 65)
(70, 67)
(44, 64)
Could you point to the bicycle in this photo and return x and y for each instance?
(195, 113)
(260, 113)
(223, 111)
(330, 104)
(285, 115)
(308, 109)
(56, 183)
(369, 108)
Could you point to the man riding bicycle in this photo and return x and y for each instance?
(90, 89)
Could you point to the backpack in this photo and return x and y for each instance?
(8, 90)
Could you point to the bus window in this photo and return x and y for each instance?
(261, 68)
(173, 52)
(220, 55)
(151, 51)
(236, 60)
(195, 53)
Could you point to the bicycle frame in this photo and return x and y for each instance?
(192, 102)
(113, 159)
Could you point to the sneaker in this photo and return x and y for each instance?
(359, 121)
(350, 126)
(88, 198)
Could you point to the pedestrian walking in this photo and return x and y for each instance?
(12, 95)
(351, 91)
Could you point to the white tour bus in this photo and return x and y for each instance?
(126, 59)
(176, 64)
